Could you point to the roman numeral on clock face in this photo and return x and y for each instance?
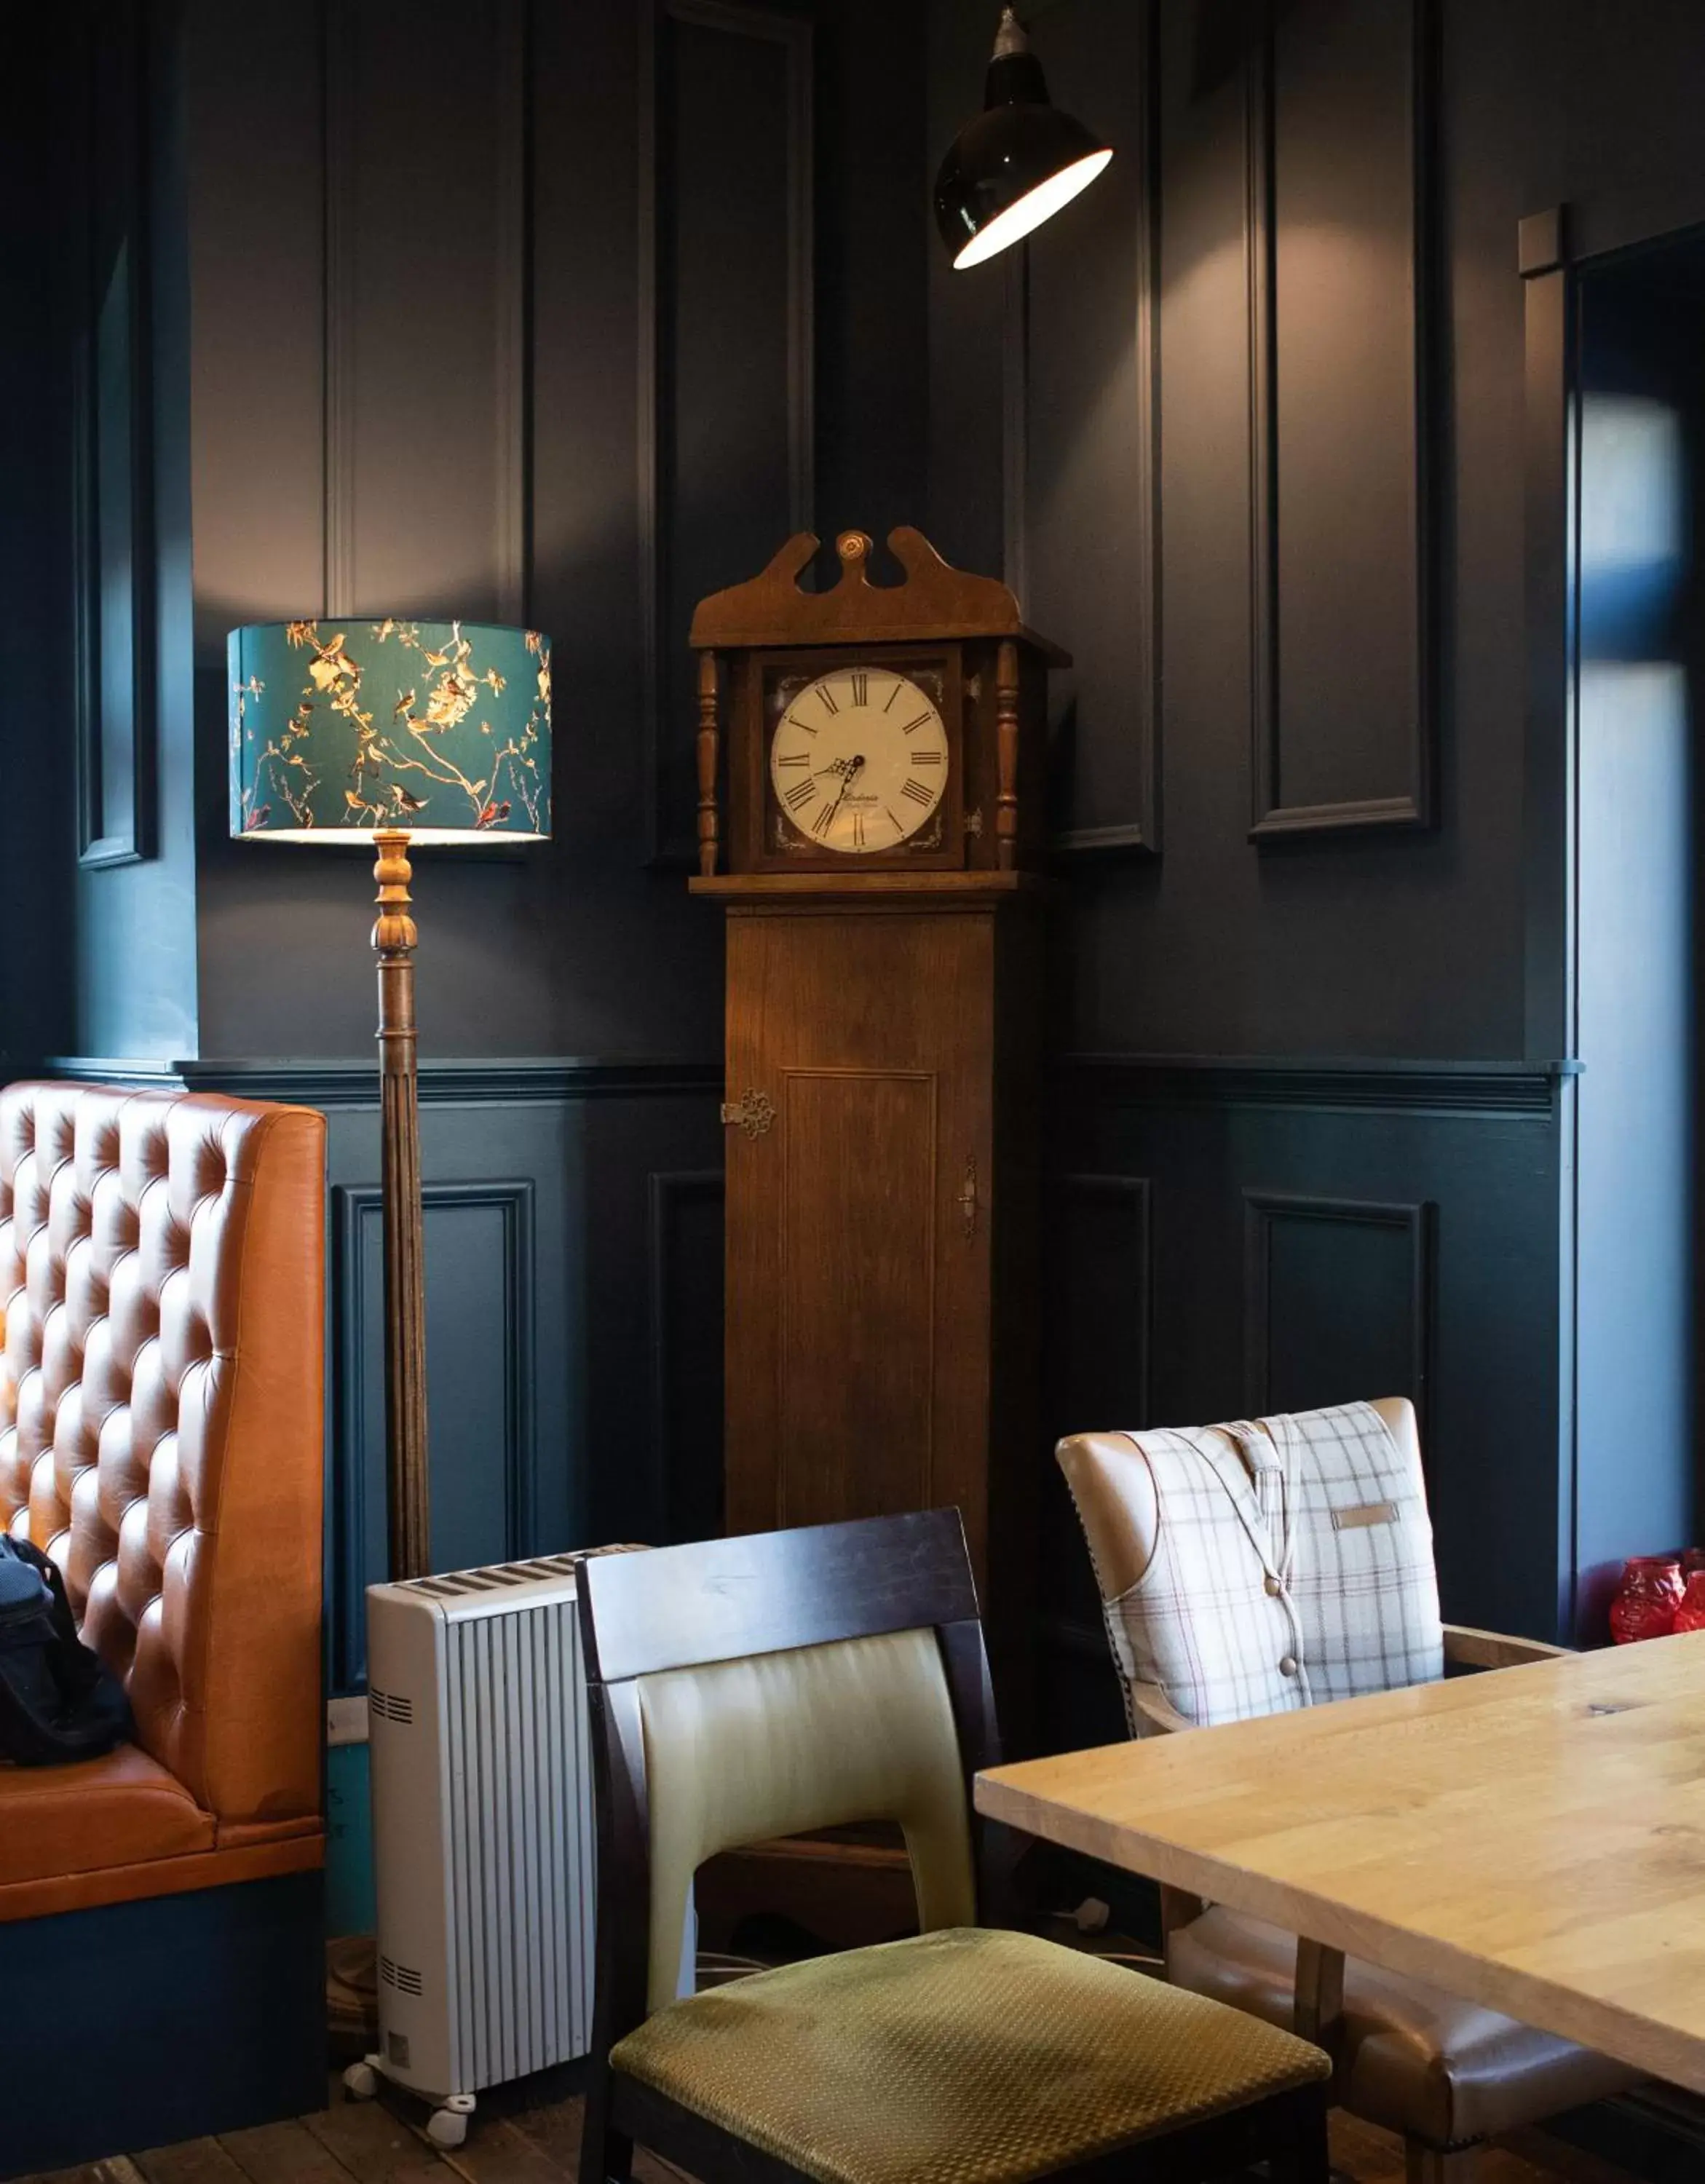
(860, 686)
(916, 791)
(828, 697)
(820, 825)
(805, 727)
(799, 794)
(925, 758)
(911, 727)
(858, 830)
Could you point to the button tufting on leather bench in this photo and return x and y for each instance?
(161, 1430)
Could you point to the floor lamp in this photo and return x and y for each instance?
(399, 733)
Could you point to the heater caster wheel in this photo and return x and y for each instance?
(448, 2125)
(361, 2081)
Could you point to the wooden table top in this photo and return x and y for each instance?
(1532, 1838)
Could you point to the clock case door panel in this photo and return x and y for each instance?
(881, 1233)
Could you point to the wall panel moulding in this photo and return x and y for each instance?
(728, 183)
(1341, 276)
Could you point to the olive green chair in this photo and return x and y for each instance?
(746, 1689)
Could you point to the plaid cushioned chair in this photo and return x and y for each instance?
(751, 1688)
(1251, 1568)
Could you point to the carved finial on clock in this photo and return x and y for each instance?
(854, 549)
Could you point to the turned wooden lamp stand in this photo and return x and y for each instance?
(408, 1495)
(386, 733)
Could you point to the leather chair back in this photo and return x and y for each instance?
(162, 1414)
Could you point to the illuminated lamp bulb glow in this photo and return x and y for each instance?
(1037, 205)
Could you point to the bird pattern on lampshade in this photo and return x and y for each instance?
(340, 729)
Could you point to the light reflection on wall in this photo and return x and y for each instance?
(1635, 972)
(1632, 526)
(1631, 507)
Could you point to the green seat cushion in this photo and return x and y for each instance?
(964, 2057)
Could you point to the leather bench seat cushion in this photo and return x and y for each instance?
(1416, 2060)
(966, 2056)
(122, 1810)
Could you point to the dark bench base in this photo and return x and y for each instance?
(139, 2024)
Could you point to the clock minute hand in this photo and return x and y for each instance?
(852, 767)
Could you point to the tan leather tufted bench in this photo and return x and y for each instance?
(161, 1436)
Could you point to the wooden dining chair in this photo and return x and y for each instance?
(1210, 1620)
(750, 1688)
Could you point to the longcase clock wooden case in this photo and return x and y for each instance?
(883, 750)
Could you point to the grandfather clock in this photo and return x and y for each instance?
(883, 747)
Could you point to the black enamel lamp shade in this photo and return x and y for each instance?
(1017, 162)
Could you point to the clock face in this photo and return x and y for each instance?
(859, 759)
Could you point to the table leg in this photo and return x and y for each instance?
(1319, 1997)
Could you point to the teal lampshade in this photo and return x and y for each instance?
(340, 728)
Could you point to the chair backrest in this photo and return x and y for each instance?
(1185, 1534)
(162, 1414)
(750, 1688)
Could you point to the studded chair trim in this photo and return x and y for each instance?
(162, 1414)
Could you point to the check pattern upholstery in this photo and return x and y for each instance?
(1293, 1564)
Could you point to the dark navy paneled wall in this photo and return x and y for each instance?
(557, 316)
(561, 1371)
(38, 768)
(1250, 430)
(542, 359)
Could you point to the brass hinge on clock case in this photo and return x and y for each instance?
(966, 1197)
(755, 1112)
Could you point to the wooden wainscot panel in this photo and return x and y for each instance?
(481, 1314)
(1340, 281)
(113, 456)
(1338, 1301)
(1082, 433)
(394, 406)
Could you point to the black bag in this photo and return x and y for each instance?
(58, 1700)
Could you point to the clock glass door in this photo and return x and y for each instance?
(859, 763)
(859, 759)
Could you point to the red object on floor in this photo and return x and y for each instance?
(1651, 1593)
(1691, 1614)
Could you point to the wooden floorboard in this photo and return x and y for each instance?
(384, 2142)
(197, 2161)
(284, 2154)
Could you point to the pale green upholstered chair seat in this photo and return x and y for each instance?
(964, 2057)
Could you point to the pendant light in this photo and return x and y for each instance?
(1017, 162)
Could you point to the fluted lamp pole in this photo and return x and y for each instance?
(398, 733)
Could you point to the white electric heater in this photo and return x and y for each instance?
(482, 1833)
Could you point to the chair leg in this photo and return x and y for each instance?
(606, 2156)
(1424, 2162)
(1305, 2161)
